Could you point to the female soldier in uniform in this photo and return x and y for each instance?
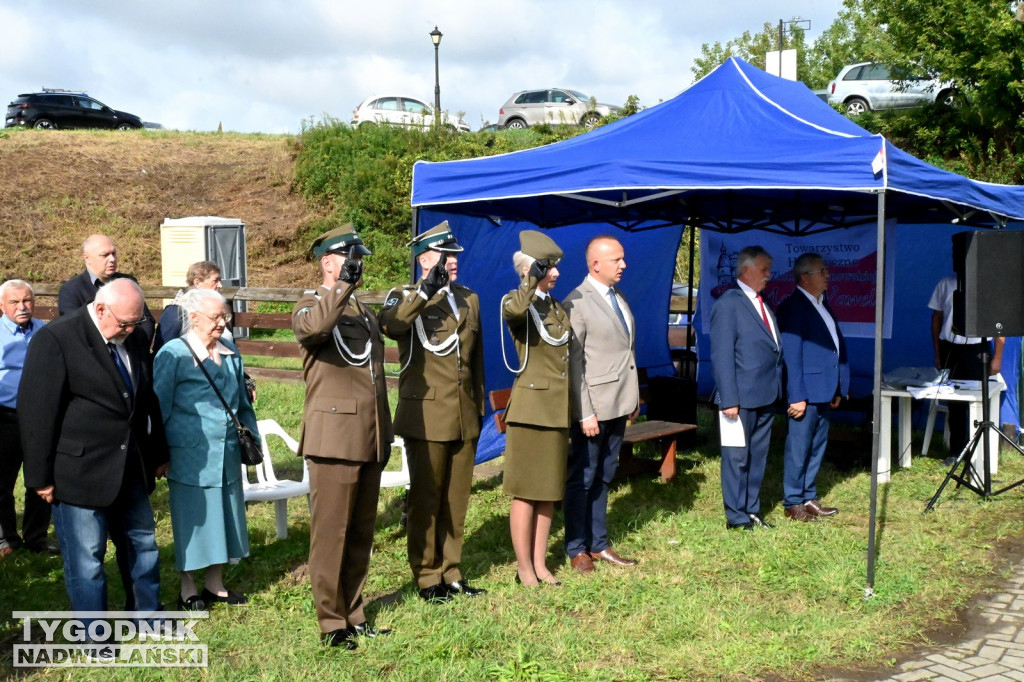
(539, 410)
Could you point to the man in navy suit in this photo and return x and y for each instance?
(817, 376)
(746, 360)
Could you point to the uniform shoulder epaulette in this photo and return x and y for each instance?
(305, 293)
(398, 292)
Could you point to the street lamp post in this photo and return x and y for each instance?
(435, 37)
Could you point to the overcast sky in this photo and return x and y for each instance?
(266, 65)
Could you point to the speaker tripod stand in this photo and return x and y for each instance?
(979, 482)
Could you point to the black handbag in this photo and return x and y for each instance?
(252, 451)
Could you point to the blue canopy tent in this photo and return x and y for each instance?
(739, 150)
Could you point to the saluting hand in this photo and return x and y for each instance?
(436, 278)
(539, 269)
(351, 270)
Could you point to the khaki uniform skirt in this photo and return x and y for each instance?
(535, 462)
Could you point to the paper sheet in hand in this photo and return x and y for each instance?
(732, 431)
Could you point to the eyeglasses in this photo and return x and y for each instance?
(822, 271)
(223, 317)
(125, 325)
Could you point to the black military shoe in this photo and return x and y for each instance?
(344, 638)
(438, 594)
(367, 630)
(462, 587)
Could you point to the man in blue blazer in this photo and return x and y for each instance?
(746, 360)
(817, 376)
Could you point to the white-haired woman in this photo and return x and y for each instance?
(539, 409)
(204, 479)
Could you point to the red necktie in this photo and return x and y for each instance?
(764, 315)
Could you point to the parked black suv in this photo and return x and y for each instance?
(52, 109)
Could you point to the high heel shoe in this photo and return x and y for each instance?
(553, 582)
(519, 581)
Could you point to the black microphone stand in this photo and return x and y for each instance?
(968, 477)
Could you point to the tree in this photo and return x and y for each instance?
(976, 44)
(750, 48)
(850, 39)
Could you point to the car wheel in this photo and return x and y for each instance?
(855, 106)
(367, 124)
(590, 119)
(950, 98)
(125, 126)
(516, 124)
(44, 124)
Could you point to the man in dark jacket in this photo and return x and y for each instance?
(93, 441)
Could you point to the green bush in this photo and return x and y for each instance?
(365, 176)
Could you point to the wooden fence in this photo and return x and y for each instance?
(46, 309)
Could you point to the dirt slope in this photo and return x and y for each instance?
(58, 187)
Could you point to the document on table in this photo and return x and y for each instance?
(731, 431)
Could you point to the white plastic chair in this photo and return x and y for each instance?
(393, 479)
(935, 408)
(267, 486)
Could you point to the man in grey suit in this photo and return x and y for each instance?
(606, 393)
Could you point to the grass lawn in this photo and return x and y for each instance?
(704, 603)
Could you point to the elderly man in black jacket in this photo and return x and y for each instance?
(93, 441)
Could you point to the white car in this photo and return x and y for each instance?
(401, 110)
(867, 86)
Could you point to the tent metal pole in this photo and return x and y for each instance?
(689, 286)
(412, 235)
(869, 589)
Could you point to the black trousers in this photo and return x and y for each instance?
(36, 519)
(964, 361)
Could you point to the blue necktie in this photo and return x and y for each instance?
(617, 309)
(122, 370)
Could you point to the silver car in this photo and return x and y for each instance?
(867, 86)
(552, 105)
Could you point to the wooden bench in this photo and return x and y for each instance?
(664, 432)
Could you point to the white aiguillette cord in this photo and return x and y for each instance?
(441, 349)
(541, 329)
(346, 353)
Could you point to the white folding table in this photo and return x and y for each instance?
(904, 398)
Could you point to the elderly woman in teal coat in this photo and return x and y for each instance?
(204, 479)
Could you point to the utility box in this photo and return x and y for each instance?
(184, 241)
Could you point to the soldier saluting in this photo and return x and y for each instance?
(440, 406)
(346, 433)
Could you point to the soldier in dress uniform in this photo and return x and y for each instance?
(346, 434)
(539, 412)
(440, 406)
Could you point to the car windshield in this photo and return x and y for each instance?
(579, 95)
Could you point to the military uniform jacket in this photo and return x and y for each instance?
(440, 397)
(346, 415)
(541, 392)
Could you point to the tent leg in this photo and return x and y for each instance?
(869, 589)
(412, 235)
